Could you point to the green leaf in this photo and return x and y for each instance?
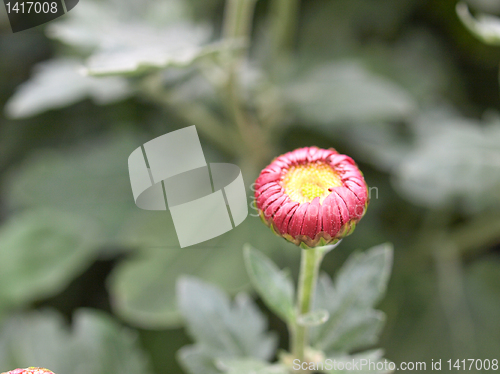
(224, 332)
(4, 21)
(108, 23)
(379, 144)
(135, 40)
(474, 329)
(359, 285)
(59, 83)
(419, 63)
(224, 329)
(41, 252)
(362, 363)
(198, 361)
(91, 181)
(143, 286)
(195, 359)
(454, 163)
(489, 6)
(206, 9)
(274, 286)
(96, 344)
(484, 26)
(314, 318)
(331, 29)
(249, 366)
(483, 293)
(149, 56)
(451, 162)
(346, 92)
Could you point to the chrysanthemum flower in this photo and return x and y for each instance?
(312, 196)
(30, 370)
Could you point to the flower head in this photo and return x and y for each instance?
(30, 370)
(311, 196)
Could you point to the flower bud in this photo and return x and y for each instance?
(30, 370)
(311, 196)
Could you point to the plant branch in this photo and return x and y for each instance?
(308, 278)
(479, 232)
(237, 26)
(195, 114)
(222, 136)
(470, 237)
(238, 19)
(451, 292)
(284, 15)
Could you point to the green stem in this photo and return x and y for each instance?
(478, 233)
(284, 15)
(238, 26)
(308, 278)
(451, 292)
(238, 19)
(193, 113)
(222, 136)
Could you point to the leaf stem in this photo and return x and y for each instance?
(238, 26)
(450, 282)
(238, 19)
(193, 113)
(308, 278)
(284, 15)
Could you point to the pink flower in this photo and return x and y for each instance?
(312, 196)
(30, 370)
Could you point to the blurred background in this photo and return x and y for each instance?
(401, 86)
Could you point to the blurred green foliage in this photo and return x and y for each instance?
(402, 86)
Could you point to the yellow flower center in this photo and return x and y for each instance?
(303, 183)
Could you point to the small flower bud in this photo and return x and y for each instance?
(30, 370)
(311, 196)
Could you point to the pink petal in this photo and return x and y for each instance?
(299, 156)
(273, 168)
(281, 163)
(311, 153)
(360, 191)
(273, 207)
(342, 209)
(341, 160)
(351, 174)
(295, 225)
(350, 199)
(292, 157)
(286, 222)
(259, 191)
(271, 199)
(330, 215)
(284, 214)
(324, 154)
(268, 197)
(310, 225)
(268, 189)
(265, 178)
